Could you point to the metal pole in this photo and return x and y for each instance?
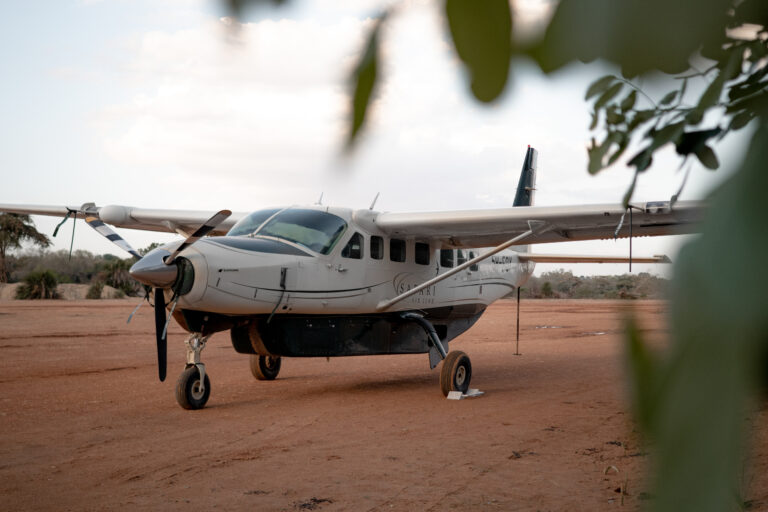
(630, 239)
(517, 343)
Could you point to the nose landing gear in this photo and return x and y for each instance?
(194, 387)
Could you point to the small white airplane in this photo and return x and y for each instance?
(320, 281)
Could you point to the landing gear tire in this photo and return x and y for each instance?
(455, 373)
(265, 367)
(188, 392)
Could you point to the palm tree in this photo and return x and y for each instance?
(15, 229)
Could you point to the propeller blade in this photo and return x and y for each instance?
(110, 235)
(145, 298)
(162, 341)
(203, 230)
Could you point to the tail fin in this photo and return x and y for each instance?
(527, 183)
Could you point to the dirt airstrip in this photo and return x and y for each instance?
(87, 426)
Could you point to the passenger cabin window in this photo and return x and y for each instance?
(422, 253)
(473, 268)
(446, 258)
(461, 257)
(377, 247)
(354, 248)
(397, 250)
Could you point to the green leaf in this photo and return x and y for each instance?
(631, 190)
(740, 120)
(629, 101)
(642, 160)
(363, 81)
(622, 147)
(670, 133)
(694, 117)
(707, 157)
(593, 124)
(711, 95)
(690, 142)
(715, 89)
(597, 153)
(641, 117)
(637, 35)
(614, 116)
(608, 95)
(668, 98)
(599, 85)
(482, 35)
(643, 372)
(745, 89)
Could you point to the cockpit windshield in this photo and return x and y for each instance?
(251, 222)
(315, 230)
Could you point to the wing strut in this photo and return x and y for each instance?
(535, 227)
(630, 208)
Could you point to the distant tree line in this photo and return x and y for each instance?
(562, 284)
(41, 269)
(106, 269)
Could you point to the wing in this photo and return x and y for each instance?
(172, 221)
(570, 258)
(487, 228)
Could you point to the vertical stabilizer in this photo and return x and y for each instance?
(527, 184)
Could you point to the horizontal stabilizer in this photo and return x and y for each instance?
(571, 258)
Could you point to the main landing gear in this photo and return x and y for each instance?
(456, 372)
(194, 387)
(265, 367)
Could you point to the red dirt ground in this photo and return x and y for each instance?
(87, 425)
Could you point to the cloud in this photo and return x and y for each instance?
(213, 118)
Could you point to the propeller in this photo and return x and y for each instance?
(160, 335)
(199, 233)
(155, 270)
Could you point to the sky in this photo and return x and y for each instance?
(171, 104)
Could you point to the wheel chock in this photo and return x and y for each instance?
(458, 395)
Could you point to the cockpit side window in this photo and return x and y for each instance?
(377, 247)
(354, 248)
(461, 257)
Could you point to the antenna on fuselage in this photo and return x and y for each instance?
(320, 199)
(374, 200)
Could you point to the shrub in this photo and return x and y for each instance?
(94, 291)
(38, 285)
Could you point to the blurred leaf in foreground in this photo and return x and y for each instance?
(363, 80)
(482, 35)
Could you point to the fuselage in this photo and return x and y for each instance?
(253, 274)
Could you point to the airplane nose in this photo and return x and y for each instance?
(152, 270)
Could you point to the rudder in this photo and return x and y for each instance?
(527, 184)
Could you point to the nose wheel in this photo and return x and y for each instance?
(194, 387)
(192, 392)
